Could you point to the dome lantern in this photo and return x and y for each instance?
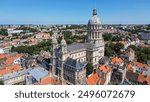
(94, 12)
(94, 19)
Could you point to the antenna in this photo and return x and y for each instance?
(94, 3)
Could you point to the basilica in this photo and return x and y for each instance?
(68, 62)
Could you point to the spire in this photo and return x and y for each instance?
(63, 37)
(63, 41)
(94, 12)
(54, 40)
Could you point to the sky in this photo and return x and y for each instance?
(74, 11)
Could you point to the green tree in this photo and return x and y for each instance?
(34, 49)
(89, 69)
(118, 47)
(109, 52)
(1, 82)
(3, 32)
(142, 57)
(107, 37)
(116, 38)
(133, 47)
(142, 54)
(27, 29)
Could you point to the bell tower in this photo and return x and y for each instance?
(64, 55)
(54, 48)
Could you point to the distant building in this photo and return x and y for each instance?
(35, 75)
(119, 70)
(105, 72)
(128, 55)
(138, 73)
(12, 31)
(145, 36)
(5, 50)
(2, 50)
(18, 77)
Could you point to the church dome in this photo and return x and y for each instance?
(94, 19)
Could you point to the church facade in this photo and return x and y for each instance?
(68, 62)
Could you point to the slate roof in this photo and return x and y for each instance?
(148, 72)
(76, 46)
(82, 46)
(74, 64)
(38, 73)
(15, 74)
(145, 36)
(104, 60)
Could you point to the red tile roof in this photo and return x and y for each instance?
(123, 42)
(105, 69)
(130, 67)
(141, 78)
(9, 69)
(93, 79)
(6, 44)
(3, 56)
(9, 60)
(18, 56)
(117, 60)
(141, 65)
(102, 81)
(148, 79)
(48, 81)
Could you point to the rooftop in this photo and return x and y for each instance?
(93, 79)
(148, 79)
(74, 64)
(141, 78)
(141, 65)
(38, 73)
(132, 76)
(117, 61)
(15, 74)
(48, 81)
(101, 81)
(9, 69)
(105, 69)
(130, 67)
(75, 47)
(94, 19)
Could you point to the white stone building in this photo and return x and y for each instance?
(79, 53)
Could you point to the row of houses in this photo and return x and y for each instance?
(122, 69)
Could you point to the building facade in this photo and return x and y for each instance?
(68, 62)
